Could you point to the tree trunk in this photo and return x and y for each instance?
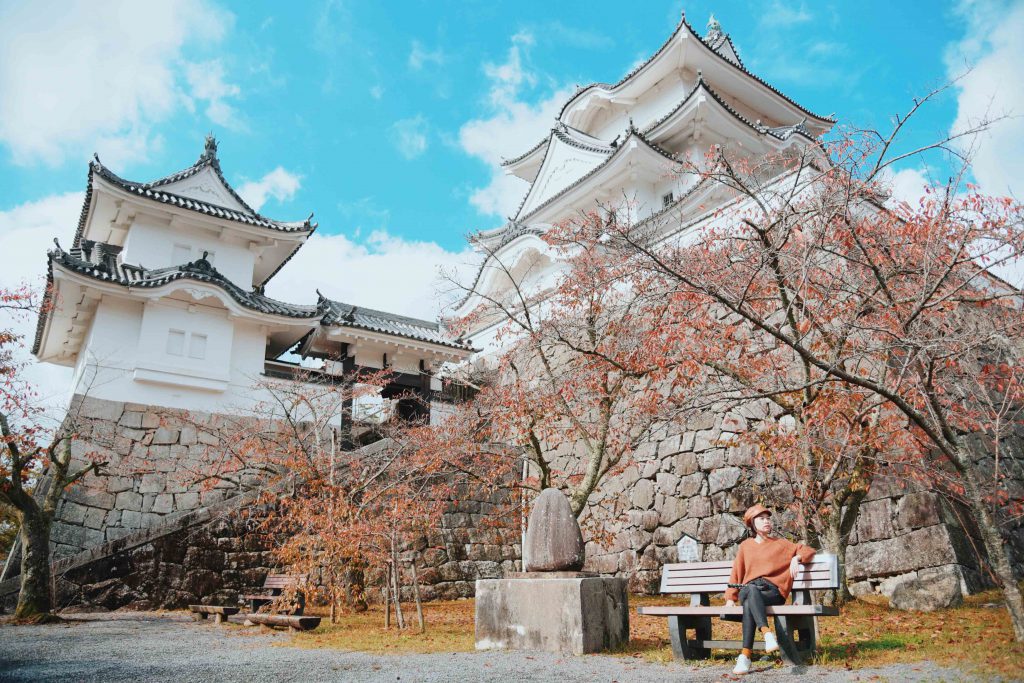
(355, 587)
(416, 594)
(35, 599)
(993, 540)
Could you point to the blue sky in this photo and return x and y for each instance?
(365, 101)
(387, 119)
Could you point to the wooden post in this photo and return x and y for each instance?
(416, 593)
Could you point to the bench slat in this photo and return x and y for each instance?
(702, 565)
(697, 571)
(714, 611)
(821, 573)
(816, 568)
(817, 575)
(722, 586)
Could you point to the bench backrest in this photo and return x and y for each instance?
(280, 581)
(821, 573)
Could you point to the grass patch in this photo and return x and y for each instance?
(449, 628)
(977, 636)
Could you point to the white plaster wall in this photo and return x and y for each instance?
(127, 359)
(152, 244)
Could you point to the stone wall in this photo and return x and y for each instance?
(697, 482)
(215, 554)
(155, 457)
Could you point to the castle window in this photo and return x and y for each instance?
(197, 346)
(666, 200)
(175, 343)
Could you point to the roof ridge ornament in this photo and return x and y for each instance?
(209, 149)
(714, 29)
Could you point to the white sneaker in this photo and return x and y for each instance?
(770, 644)
(742, 665)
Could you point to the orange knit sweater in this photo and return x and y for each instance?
(769, 559)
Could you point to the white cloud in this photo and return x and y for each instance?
(993, 48)
(907, 185)
(206, 82)
(279, 184)
(419, 56)
(508, 78)
(26, 233)
(515, 125)
(410, 136)
(383, 272)
(784, 14)
(377, 92)
(83, 76)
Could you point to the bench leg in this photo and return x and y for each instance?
(199, 615)
(218, 618)
(796, 652)
(681, 647)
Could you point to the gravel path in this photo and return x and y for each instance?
(134, 646)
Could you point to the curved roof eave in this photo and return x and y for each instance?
(338, 314)
(619, 151)
(780, 133)
(683, 24)
(149, 192)
(199, 271)
(515, 232)
(515, 161)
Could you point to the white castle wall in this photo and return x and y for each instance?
(154, 244)
(128, 359)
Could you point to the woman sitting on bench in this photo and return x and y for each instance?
(765, 566)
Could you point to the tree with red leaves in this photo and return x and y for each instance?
(339, 514)
(895, 306)
(579, 380)
(31, 454)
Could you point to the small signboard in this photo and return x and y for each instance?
(688, 549)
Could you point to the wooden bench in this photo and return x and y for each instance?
(275, 585)
(293, 622)
(700, 579)
(220, 614)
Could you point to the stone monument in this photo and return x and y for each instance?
(552, 605)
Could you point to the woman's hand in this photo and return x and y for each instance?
(730, 603)
(794, 566)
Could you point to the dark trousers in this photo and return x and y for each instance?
(754, 597)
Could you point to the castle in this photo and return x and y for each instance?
(158, 303)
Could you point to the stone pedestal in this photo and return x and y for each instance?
(576, 615)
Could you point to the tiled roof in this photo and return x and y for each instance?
(566, 134)
(618, 150)
(208, 159)
(510, 231)
(200, 270)
(152, 191)
(683, 24)
(779, 132)
(346, 315)
(570, 136)
(513, 160)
